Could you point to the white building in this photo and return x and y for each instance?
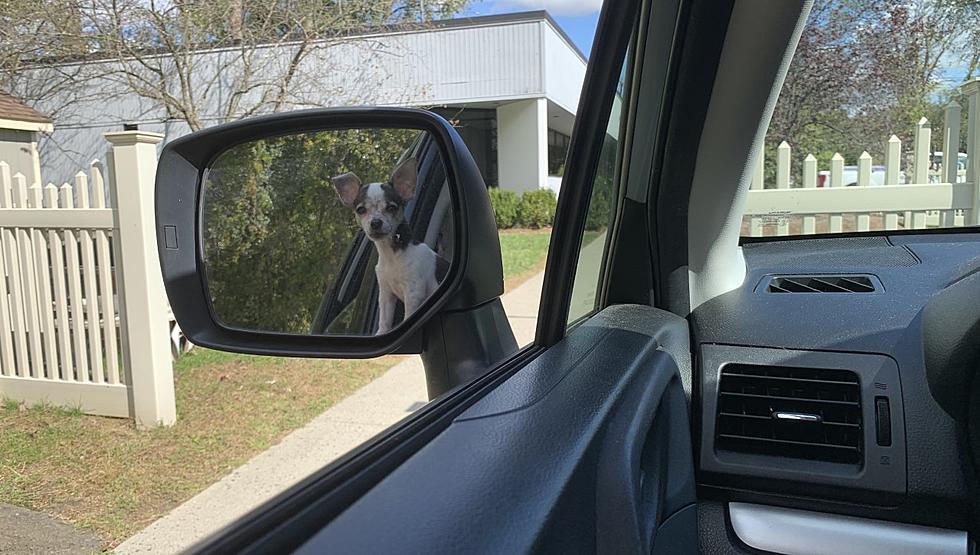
(509, 82)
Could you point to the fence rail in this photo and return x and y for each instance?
(83, 316)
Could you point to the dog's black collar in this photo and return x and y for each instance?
(402, 237)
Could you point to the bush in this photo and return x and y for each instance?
(506, 205)
(600, 207)
(538, 208)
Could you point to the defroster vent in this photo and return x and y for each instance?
(803, 413)
(821, 284)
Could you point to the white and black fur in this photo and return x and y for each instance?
(406, 269)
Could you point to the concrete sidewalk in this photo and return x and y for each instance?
(367, 412)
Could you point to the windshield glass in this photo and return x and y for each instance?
(872, 127)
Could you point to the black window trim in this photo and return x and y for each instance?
(615, 29)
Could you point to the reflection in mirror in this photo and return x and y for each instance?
(337, 232)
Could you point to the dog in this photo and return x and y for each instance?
(407, 270)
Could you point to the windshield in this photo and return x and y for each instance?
(868, 119)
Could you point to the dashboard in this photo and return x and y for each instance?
(813, 385)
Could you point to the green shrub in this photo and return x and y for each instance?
(506, 205)
(600, 207)
(538, 208)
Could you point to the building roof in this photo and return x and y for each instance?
(414, 27)
(515, 17)
(13, 109)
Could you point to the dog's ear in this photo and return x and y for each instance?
(404, 178)
(348, 185)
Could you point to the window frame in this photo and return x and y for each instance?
(606, 66)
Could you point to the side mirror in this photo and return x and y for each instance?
(344, 233)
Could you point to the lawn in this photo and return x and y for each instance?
(523, 253)
(103, 475)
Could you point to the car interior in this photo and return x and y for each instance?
(800, 394)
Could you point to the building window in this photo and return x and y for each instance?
(557, 151)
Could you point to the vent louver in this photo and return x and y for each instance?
(821, 284)
(803, 413)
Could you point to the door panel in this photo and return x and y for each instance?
(588, 448)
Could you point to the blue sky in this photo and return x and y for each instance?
(576, 17)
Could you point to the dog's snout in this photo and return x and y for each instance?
(376, 224)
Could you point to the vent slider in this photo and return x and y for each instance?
(797, 416)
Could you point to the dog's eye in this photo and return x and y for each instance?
(392, 207)
(361, 210)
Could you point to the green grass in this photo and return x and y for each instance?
(523, 252)
(102, 474)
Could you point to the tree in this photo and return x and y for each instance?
(198, 61)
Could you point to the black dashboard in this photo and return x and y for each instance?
(831, 329)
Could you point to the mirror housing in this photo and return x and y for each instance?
(475, 277)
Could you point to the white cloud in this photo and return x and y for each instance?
(558, 7)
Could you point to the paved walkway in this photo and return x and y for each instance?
(32, 533)
(367, 412)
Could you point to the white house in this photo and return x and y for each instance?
(510, 83)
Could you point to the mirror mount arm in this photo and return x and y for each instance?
(462, 345)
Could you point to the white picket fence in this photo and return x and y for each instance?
(83, 316)
(913, 200)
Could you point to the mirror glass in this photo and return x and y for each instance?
(330, 232)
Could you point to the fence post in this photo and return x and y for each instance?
(864, 180)
(920, 152)
(32, 308)
(951, 153)
(951, 142)
(809, 182)
(143, 305)
(836, 180)
(893, 167)
(971, 89)
(758, 183)
(893, 160)
(8, 366)
(759, 171)
(783, 152)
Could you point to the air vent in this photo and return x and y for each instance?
(821, 284)
(803, 413)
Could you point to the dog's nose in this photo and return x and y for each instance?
(376, 224)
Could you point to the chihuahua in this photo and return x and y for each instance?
(407, 269)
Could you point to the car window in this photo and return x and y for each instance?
(870, 131)
(600, 211)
